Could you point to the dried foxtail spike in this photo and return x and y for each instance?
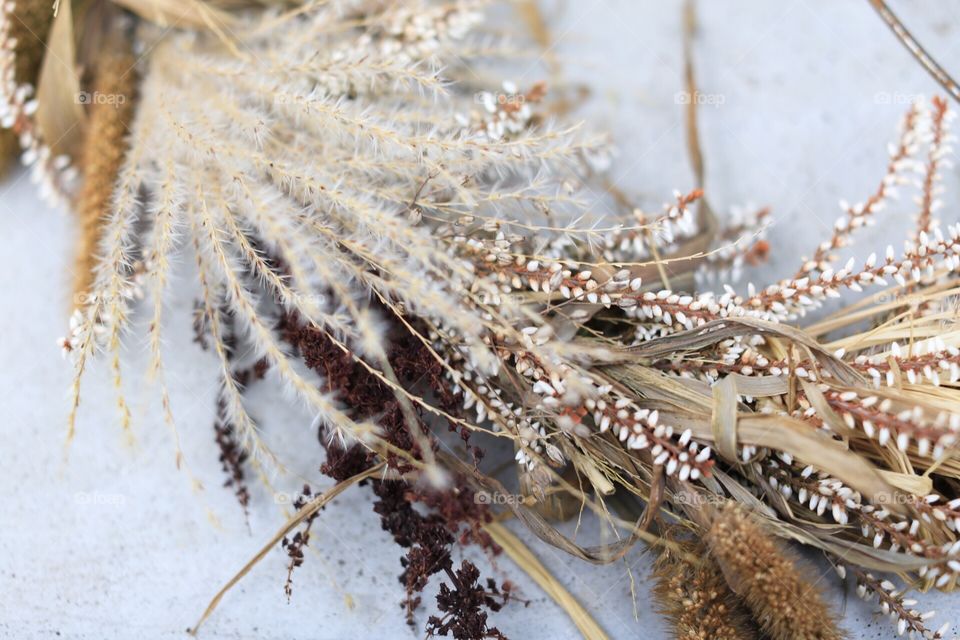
(695, 596)
(111, 104)
(783, 602)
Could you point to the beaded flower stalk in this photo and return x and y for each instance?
(409, 250)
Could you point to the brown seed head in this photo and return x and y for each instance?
(695, 596)
(784, 603)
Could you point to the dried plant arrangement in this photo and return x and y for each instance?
(409, 249)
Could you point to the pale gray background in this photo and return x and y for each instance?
(805, 121)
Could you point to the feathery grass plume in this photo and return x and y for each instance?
(694, 595)
(325, 144)
(785, 603)
(111, 101)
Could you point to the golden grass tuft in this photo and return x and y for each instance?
(785, 604)
(104, 148)
(695, 597)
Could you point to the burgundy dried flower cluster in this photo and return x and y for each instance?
(455, 517)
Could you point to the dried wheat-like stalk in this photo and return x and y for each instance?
(113, 94)
(785, 603)
(695, 596)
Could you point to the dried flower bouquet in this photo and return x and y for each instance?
(361, 204)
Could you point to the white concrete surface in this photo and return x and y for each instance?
(113, 543)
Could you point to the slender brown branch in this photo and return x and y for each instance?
(312, 507)
(916, 49)
(707, 219)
